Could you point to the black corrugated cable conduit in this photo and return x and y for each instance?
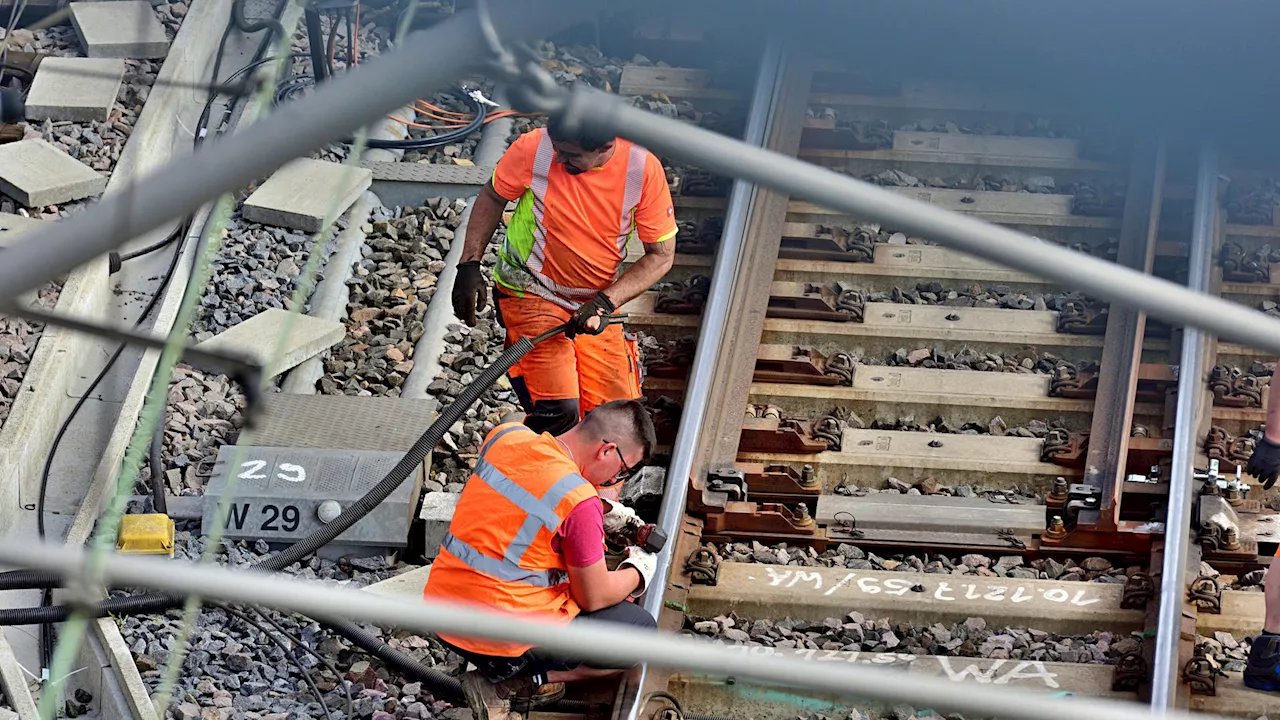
(158, 602)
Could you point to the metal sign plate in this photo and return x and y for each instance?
(278, 493)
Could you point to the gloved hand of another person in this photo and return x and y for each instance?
(645, 563)
(469, 293)
(1264, 463)
(618, 517)
(600, 307)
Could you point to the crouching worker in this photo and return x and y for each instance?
(527, 538)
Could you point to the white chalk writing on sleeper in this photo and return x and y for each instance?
(945, 590)
(990, 672)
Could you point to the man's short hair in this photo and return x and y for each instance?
(581, 137)
(623, 419)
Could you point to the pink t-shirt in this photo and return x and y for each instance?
(581, 536)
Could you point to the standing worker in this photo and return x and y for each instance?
(527, 538)
(1263, 670)
(581, 198)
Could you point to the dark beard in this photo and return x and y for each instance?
(572, 170)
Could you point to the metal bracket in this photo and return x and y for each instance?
(741, 520)
(1201, 672)
(1083, 317)
(1130, 672)
(1206, 593)
(1227, 449)
(801, 366)
(703, 565)
(1242, 267)
(765, 430)
(831, 243)
(1139, 589)
(1235, 388)
(1064, 448)
(815, 301)
(1068, 381)
(805, 366)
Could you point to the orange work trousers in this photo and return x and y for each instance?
(591, 369)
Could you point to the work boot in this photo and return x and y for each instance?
(1262, 672)
(491, 701)
(545, 694)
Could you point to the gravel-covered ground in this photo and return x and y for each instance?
(929, 486)
(258, 267)
(233, 671)
(1091, 569)
(202, 414)
(97, 145)
(391, 286)
(468, 350)
(971, 638)
(1027, 360)
(18, 340)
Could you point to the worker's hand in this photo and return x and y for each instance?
(469, 292)
(618, 517)
(1264, 463)
(592, 317)
(645, 563)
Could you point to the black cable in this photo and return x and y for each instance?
(116, 261)
(331, 46)
(203, 123)
(46, 598)
(158, 501)
(351, 39)
(285, 648)
(290, 86)
(346, 687)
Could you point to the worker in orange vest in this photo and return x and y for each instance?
(1263, 669)
(527, 538)
(580, 199)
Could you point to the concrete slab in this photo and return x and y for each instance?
(814, 594)
(13, 226)
(259, 336)
(408, 583)
(36, 174)
(341, 421)
(967, 522)
(303, 193)
(75, 89)
(739, 698)
(119, 29)
(436, 514)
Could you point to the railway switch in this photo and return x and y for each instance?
(283, 494)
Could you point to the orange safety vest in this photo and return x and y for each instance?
(497, 552)
(591, 216)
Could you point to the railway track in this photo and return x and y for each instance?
(908, 407)
(913, 459)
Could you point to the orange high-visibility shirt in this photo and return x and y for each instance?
(567, 238)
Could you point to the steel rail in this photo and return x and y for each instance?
(1191, 388)
(729, 259)
(594, 641)
(427, 62)
(1168, 301)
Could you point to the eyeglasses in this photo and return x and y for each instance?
(627, 472)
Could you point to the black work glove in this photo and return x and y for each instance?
(469, 293)
(1264, 463)
(599, 306)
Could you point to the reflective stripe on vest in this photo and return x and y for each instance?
(568, 297)
(540, 512)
